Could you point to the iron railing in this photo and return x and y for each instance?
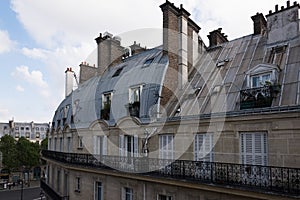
(51, 192)
(281, 180)
(256, 97)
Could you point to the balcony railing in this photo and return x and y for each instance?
(51, 193)
(280, 180)
(258, 97)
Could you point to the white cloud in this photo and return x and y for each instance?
(34, 53)
(20, 88)
(60, 22)
(6, 43)
(34, 77)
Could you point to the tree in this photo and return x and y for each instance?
(9, 152)
(28, 152)
(44, 144)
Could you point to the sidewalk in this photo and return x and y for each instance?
(31, 184)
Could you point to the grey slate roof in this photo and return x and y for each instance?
(85, 102)
(241, 56)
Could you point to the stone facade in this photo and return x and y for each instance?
(216, 122)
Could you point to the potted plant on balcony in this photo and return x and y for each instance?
(134, 109)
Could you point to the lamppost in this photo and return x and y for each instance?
(22, 181)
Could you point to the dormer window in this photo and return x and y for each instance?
(262, 74)
(260, 80)
(118, 72)
(134, 101)
(106, 103)
(148, 62)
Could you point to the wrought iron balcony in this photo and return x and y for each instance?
(258, 97)
(51, 193)
(134, 109)
(280, 180)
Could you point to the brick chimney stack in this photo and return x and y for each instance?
(216, 37)
(180, 44)
(259, 24)
(110, 51)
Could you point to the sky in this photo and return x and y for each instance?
(40, 39)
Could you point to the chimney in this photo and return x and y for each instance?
(216, 37)
(283, 24)
(136, 48)
(259, 24)
(69, 81)
(110, 51)
(86, 72)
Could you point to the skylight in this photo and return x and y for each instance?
(117, 72)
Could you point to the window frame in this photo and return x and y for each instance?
(249, 141)
(205, 152)
(77, 184)
(132, 93)
(166, 146)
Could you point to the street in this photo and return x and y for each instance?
(28, 194)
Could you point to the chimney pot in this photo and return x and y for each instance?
(288, 4)
(282, 7)
(276, 8)
(295, 2)
(270, 11)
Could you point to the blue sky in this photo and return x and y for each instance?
(40, 39)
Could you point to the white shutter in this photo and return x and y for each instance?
(121, 145)
(254, 148)
(203, 147)
(104, 150)
(136, 145)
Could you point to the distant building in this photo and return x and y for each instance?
(183, 121)
(35, 132)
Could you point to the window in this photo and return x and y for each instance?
(4, 127)
(127, 193)
(98, 191)
(17, 135)
(69, 145)
(22, 128)
(135, 94)
(27, 128)
(80, 145)
(100, 145)
(42, 129)
(17, 128)
(58, 180)
(37, 128)
(106, 103)
(60, 144)
(27, 135)
(55, 141)
(164, 197)
(117, 72)
(253, 148)
(260, 80)
(50, 144)
(166, 145)
(37, 135)
(203, 147)
(148, 62)
(128, 145)
(77, 184)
